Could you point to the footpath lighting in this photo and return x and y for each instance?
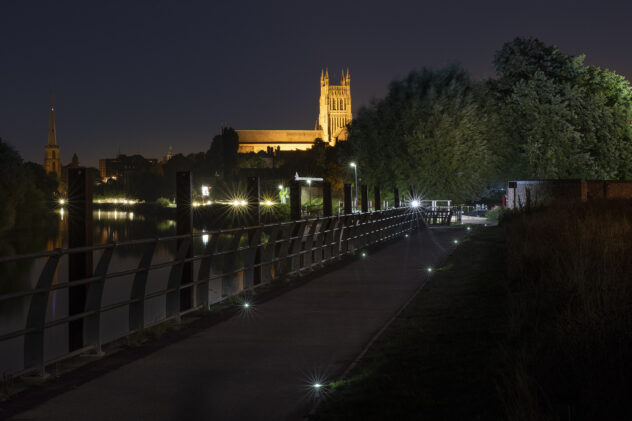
(363, 254)
(429, 269)
(62, 202)
(468, 228)
(456, 241)
(246, 304)
(280, 186)
(415, 203)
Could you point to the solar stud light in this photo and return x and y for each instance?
(429, 269)
(456, 241)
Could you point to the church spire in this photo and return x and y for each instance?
(52, 135)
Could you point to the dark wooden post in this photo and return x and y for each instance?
(347, 193)
(378, 199)
(79, 235)
(365, 197)
(184, 226)
(295, 200)
(396, 197)
(327, 208)
(254, 199)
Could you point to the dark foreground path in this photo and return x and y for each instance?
(259, 365)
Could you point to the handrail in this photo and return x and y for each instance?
(292, 247)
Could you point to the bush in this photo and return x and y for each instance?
(163, 201)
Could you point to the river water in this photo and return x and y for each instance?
(110, 225)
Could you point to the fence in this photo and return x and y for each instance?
(232, 262)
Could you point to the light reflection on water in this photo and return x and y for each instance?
(109, 226)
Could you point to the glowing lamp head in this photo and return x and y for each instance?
(468, 228)
(456, 241)
(62, 201)
(243, 203)
(364, 254)
(280, 186)
(246, 305)
(429, 269)
(317, 385)
(415, 203)
(352, 164)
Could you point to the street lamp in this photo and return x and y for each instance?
(355, 170)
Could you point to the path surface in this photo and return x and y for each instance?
(259, 365)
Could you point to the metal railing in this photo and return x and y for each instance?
(233, 261)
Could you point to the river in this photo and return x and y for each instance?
(111, 225)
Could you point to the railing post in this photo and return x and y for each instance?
(347, 193)
(327, 209)
(365, 198)
(254, 199)
(396, 197)
(184, 226)
(79, 235)
(295, 200)
(378, 199)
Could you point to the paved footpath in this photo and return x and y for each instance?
(259, 366)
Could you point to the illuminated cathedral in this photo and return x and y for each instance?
(331, 127)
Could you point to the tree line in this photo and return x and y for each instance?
(545, 114)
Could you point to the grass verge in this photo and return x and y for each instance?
(569, 349)
(439, 358)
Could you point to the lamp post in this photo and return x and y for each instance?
(309, 189)
(355, 170)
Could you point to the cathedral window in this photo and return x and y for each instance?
(53, 154)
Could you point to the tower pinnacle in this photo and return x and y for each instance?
(52, 135)
(52, 160)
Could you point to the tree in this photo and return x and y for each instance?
(430, 132)
(222, 155)
(562, 118)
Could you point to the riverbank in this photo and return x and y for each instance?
(527, 321)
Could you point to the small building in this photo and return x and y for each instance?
(522, 193)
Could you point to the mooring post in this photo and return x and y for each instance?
(347, 193)
(327, 210)
(295, 200)
(254, 199)
(396, 197)
(378, 199)
(184, 226)
(365, 198)
(79, 235)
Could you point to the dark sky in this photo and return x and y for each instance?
(140, 76)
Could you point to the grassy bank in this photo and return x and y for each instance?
(570, 338)
(438, 360)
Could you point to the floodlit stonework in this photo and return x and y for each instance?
(334, 116)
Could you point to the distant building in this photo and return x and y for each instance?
(525, 193)
(52, 159)
(331, 127)
(123, 166)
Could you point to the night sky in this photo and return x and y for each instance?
(138, 78)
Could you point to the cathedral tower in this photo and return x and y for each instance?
(335, 107)
(52, 160)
